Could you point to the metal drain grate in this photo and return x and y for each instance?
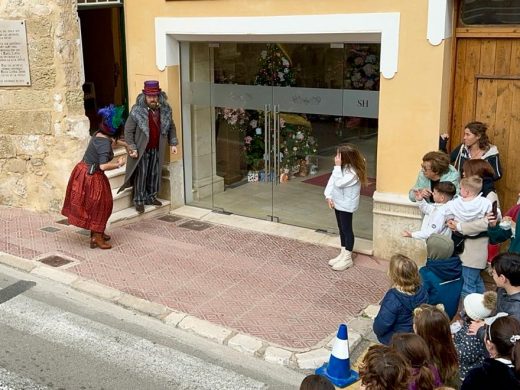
(169, 218)
(195, 225)
(50, 229)
(63, 222)
(54, 261)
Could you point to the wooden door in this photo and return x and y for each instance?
(487, 89)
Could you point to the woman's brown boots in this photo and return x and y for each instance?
(106, 237)
(97, 240)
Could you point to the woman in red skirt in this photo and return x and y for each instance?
(88, 201)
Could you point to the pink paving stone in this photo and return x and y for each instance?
(270, 287)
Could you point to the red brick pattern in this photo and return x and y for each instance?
(274, 288)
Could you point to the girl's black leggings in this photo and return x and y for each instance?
(346, 234)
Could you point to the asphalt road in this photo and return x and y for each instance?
(53, 337)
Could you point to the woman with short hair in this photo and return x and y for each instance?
(435, 168)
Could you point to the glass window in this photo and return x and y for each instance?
(483, 12)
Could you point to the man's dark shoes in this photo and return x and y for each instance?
(139, 208)
(156, 202)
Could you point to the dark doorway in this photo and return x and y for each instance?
(102, 35)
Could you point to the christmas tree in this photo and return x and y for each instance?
(275, 68)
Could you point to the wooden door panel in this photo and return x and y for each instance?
(487, 88)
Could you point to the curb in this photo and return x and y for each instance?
(360, 327)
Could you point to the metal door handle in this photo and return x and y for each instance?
(267, 141)
(276, 146)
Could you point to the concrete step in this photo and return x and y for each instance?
(130, 215)
(116, 177)
(122, 200)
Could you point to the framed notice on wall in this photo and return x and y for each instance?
(14, 60)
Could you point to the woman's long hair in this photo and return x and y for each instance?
(351, 157)
(479, 129)
(414, 348)
(433, 325)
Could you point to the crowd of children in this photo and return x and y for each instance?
(437, 325)
(439, 318)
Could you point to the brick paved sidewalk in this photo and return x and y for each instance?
(278, 290)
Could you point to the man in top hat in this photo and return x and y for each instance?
(148, 128)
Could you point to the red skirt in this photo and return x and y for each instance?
(88, 201)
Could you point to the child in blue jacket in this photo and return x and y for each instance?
(442, 274)
(396, 312)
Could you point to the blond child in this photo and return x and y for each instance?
(469, 206)
(407, 293)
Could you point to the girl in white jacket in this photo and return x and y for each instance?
(342, 194)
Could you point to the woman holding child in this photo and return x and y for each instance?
(475, 253)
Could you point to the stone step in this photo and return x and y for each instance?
(122, 200)
(130, 215)
(116, 177)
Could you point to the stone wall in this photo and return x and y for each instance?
(43, 129)
(394, 213)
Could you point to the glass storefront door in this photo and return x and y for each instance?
(261, 124)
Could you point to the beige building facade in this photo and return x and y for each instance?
(414, 94)
(209, 57)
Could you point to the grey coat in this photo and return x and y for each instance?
(137, 133)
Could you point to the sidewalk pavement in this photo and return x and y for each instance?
(265, 295)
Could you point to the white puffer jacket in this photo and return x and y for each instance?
(344, 189)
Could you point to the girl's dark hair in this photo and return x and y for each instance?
(352, 157)
(414, 348)
(508, 264)
(479, 129)
(384, 368)
(504, 333)
(316, 382)
(433, 325)
(447, 187)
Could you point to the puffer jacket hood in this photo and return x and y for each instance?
(446, 269)
(412, 301)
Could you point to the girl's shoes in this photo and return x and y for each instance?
(342, 254)
(344, 262)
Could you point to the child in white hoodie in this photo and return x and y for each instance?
(434, 220)
(469, 206)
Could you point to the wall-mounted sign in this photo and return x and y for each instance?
(14, 60)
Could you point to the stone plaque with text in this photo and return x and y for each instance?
(14, 60)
